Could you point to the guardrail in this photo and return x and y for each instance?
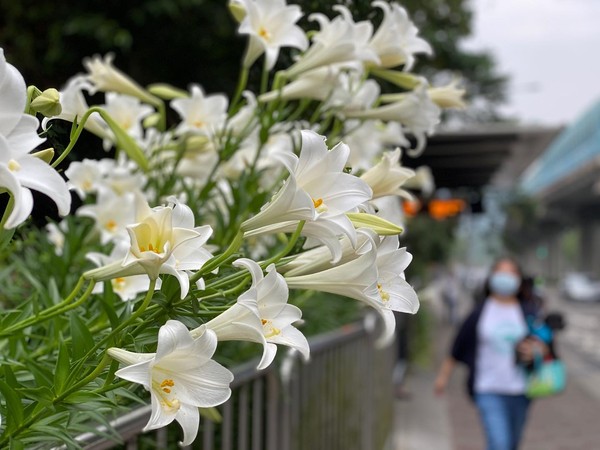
(341, 399)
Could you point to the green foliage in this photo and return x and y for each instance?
(432, 240)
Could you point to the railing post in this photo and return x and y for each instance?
(273, 423)
(367, 369)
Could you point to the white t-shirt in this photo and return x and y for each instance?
(499, 329)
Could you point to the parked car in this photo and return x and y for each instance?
(581, 287)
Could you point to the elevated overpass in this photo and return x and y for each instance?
(565, 179)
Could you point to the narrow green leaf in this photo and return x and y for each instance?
(5, 237)
(14, 407)
(82, 340)
(10, 378)
(108, 302)
(41, 394)
(61, 371)
(16, 444)
(43, 376)
(56, 432)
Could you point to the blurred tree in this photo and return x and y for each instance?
(523, 215)
(176, 41)
(432, 240)
(184, 41)
(445, 24)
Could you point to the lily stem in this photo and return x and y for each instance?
(55, 310)
(218, 260)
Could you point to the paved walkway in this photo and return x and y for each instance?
(570, 421)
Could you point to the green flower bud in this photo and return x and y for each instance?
(47, 103)
(196, 144)
(45, 155)
(402, 79)
(237, 10)
(152, 120)
(166, 91)
(380, 226)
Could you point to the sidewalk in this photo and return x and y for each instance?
(565, 422)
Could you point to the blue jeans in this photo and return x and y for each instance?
(503, 418)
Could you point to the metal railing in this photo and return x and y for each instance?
(341, 399)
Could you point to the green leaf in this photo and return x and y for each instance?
(43, 376)
(82, 340)
(5, 237)
(57, 432)
(10, 378)
(108, 305)
(61, 371)
(16, 444)
(41, 394)
(14, 407)
(84, 397)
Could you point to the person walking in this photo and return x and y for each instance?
(495, 343)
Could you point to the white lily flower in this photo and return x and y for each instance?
(319, 259)
(353, 93)
(355, 278)
(449, 96)
(317, 191)
(128, 112)
(387, 177)
(339, 41)
(246, 119)
(85, 177)
(394, 291)
(415, 111)
(74, 105)
(364, 140)
(56, 235)
(271, 24)
(106, 78)
(20, 171)
(278, 148)
(392, 135)
(374, 275)
(200, 114)
(127, 288)
(396, 42)
(121, 177)
(112, 214)
(422, 180)
(388, 208)
(261, 314)
(198, 163)
(315, 84)
(164, 240)
(181, 377)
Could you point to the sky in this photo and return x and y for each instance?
(551, 51)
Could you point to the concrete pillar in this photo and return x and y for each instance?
(590, 246)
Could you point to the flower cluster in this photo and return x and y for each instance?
(203, 226)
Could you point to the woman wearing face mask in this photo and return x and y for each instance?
(486, 343)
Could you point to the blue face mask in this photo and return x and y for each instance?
(504, 283)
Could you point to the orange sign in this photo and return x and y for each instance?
(440, 209)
